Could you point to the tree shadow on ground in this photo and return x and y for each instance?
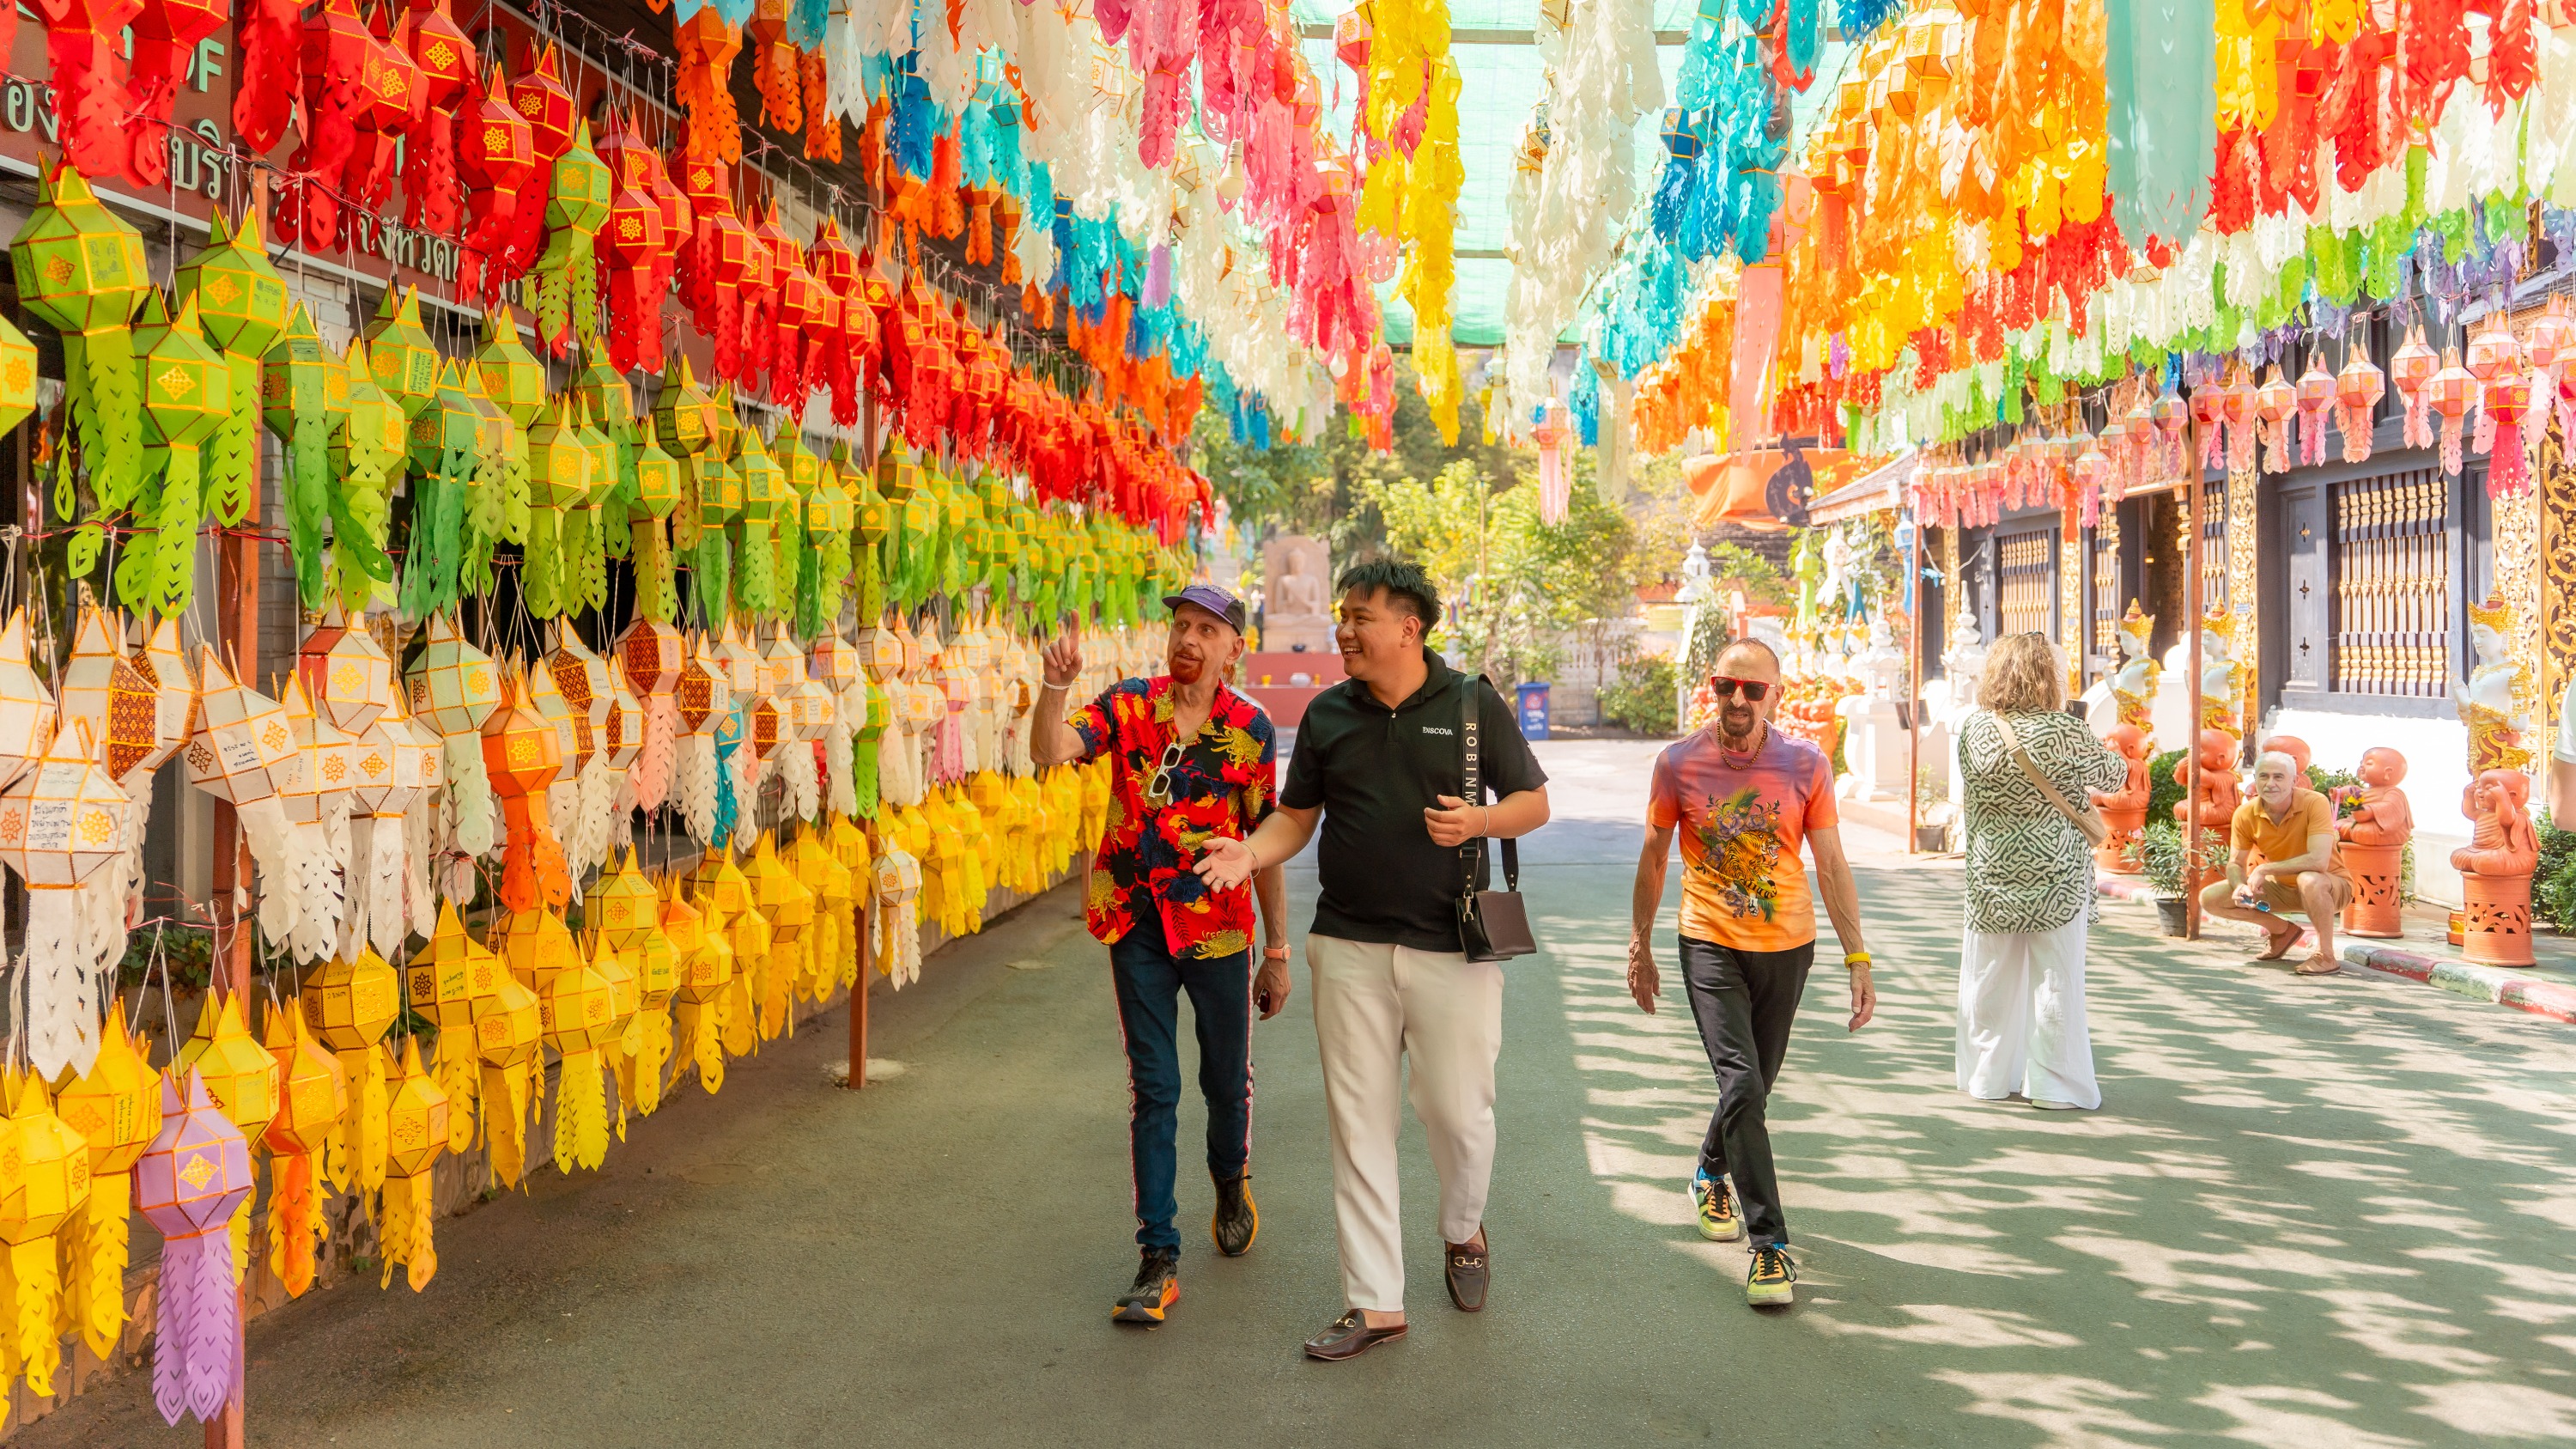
(2310, 1211)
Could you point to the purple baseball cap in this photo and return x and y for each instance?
(1211, 598)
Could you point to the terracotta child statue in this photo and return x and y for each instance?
(2502, 842)
(2124, 809)
(2384, 817)
(2220, 793)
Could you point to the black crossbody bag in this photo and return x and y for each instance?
(1492, 925)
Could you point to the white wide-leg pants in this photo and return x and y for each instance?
(1375, 1007)
(2021, 1016)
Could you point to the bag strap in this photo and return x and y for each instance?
(2030, 768)
(1472, 786)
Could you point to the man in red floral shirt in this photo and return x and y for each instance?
(1193, 761)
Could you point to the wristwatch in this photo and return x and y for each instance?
(1274, 953)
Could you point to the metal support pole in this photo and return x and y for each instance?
(2191, 563)
(238, 570)
(859, 1006)
(1913, 686)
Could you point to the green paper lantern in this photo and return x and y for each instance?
(80, 268)
(680, 422)
(243, 305)
(558, 463)
(512, 377)
(399, 349)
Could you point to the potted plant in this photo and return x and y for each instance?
(2160, 851)
(1933, 811)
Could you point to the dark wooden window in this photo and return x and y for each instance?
(2026, 581)
(2213, 546)
(2392, 590)
(2107, 599)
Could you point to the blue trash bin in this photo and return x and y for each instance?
(1533, 702)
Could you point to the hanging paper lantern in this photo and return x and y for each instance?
(390, 777)
(336, 51)
(443, 59)
(2493, 350)
(61, 823)
(2358, 388)
(2273, 404)
(652, 655)
(2449, 393)
(415, 1133)
(115, 1106)
(578, 1013)
(577, 205)
(2316, 393)
(243, 751)
(522, 753)
(2411, 372)
(243, 307)
(80, 269)
(704, 696)
(704, 965)
(2505, 405)
(497, 157)
(507, 1033)
(455, 688)
(312, 1102)
(189, 1183)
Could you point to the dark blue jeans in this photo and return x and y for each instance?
(1150, 981)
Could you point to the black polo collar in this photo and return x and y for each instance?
(1433, 684)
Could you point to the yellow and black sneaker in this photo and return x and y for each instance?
(1714, 1201)
(1237, 1221)
(1773, 1280)
(1157, 1288)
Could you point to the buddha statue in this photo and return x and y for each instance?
(2133, 686)
(2494, 701)
(2222, 678)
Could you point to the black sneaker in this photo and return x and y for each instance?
(1237, 1221)
(1157, 1288)
(1773, 1278)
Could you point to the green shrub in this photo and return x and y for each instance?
(2553, 881)
(2163, 791)
(1644, 698)
(2160, 852)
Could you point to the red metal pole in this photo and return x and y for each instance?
(1914, 687)
(859, 1007)
(238, 571)
(2191, 548)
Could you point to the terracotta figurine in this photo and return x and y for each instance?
(2495, 870)
(2374, 838)
(2124, 809)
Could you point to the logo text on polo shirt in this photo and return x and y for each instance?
(1438, 730)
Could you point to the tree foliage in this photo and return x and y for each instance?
(1512, 586)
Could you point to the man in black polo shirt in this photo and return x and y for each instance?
(1380, 760)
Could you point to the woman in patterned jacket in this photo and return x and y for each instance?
(2030, 885)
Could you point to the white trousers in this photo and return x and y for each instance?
(2021, 1016)
(1375, 1007)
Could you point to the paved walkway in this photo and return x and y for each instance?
(2313, 1212)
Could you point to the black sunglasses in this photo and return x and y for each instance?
(1754, 690)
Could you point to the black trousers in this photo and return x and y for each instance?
(1745, 1003)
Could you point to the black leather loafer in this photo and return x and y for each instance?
(1468, 1275)
(1349, 1336)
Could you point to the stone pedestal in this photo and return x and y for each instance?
(2495, 919)
(2376, 901)
(1873, 749)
